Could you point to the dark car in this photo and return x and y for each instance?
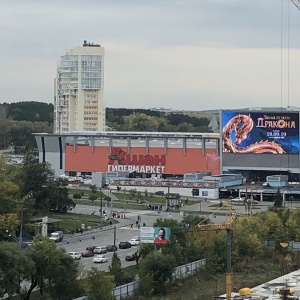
(87, 253)
(124, 245)
(91, 248)
(111, 248)
(159, 193)
(131, 257)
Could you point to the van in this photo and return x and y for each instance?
(57, 236)
(100, 249)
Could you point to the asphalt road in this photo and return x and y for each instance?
(80, 242)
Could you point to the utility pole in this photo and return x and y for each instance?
(111, 200)
(115, 233)
(124, 202)
(101, 206)
(168, 197)
(228, 264)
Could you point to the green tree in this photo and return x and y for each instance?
(155, 271)
(14, 264)
(185, 127)
(36, 179)
(57, 194)
(141, 122)
(21, 133)
(278, 199)
(53, 270)
(100, 285)
(8, 225)
(5, 128)
(115, 269)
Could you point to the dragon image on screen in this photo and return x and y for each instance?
(275, 133)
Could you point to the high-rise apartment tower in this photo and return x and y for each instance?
(78, 101)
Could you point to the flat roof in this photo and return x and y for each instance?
(134, 134)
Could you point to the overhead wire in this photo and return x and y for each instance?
(281, 56)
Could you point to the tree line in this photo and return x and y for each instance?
(19, 120)
(122, 119)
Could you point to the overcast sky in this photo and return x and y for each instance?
(180, 54)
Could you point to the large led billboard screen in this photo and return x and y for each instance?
(260, 132)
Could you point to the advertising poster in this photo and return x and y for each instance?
(155, 235)
(260, 132)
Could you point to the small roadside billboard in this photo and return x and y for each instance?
(155, 235)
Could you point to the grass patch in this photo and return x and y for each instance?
(116, 204)
(86, 193)
(72, 221)
(149, 198)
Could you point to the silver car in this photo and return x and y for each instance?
(100, 249)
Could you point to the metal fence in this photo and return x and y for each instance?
(180, 272)
(125, 290)
(189, 269)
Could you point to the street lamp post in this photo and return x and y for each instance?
(101, 206)
(168, 196)
(124, 202)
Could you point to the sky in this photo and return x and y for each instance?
(178, 54)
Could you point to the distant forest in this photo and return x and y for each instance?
(19, 120)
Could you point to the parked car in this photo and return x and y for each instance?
(75, 255)
(91, 248)
(100, 249)
(134, 241)
(124, 245)
(111, 248)
(238, 199)
(100, 259)
(130, 257)
(159, 193)
(87, 253)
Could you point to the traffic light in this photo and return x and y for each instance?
(195, 192)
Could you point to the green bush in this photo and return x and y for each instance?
(77, 196)
(93, 197)
(107, 198)
(155, 272)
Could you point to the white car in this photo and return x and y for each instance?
(238, 199)
(99, 250)
(134, 241)
(75, 255)
(100, 259)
